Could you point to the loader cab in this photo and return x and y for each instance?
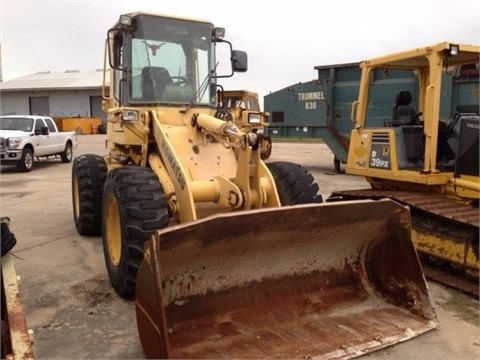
(241, 99)
(164, 61)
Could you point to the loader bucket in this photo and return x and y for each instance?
(323, 281)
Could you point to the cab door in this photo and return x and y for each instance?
(45, 143)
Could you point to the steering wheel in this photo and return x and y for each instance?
(179, 80)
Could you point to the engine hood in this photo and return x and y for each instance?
(13, 133)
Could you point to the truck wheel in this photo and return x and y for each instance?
(25, 164)
(134, 206)
(295, 185)
(88, 178)
(67, 154)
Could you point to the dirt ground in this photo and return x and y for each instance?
(75, 314)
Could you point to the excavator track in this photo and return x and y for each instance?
(445, 277)
(434, 213)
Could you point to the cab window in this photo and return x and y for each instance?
(51, 125)
(39, 124)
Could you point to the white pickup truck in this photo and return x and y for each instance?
(26, 137)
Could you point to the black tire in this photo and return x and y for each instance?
(134, 206)
(336, 164)
(67, 154)
(25, 164)
(7, 237)
(88, 178)
(295, 185)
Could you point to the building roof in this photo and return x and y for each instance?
(70, 79)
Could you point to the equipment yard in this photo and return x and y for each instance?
(76, 314)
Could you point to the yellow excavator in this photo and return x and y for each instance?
(224, 255)
(423, 161)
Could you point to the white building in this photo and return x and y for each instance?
(72, 93)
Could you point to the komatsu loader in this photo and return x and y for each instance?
(428, 163)
(244, 107)
(226, 256)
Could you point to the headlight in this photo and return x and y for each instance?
(14, 143)
(254, 118)
(125, 20)
(453, 50)
(130, 115)
(218, 33)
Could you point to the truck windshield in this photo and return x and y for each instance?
(13, 123)
(171, 61)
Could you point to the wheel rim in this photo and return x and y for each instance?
(68, 151)
(113, 233)
(76, 197)
(28, 160)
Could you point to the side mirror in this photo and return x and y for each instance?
(239, 61)
(44, 130)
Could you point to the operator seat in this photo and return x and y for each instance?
(154, 81)
(405, 116)
(404, 113)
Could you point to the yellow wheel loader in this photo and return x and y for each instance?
(425, 162)
(245, 111)
(226, 256)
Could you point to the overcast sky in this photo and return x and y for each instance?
(283, 42)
